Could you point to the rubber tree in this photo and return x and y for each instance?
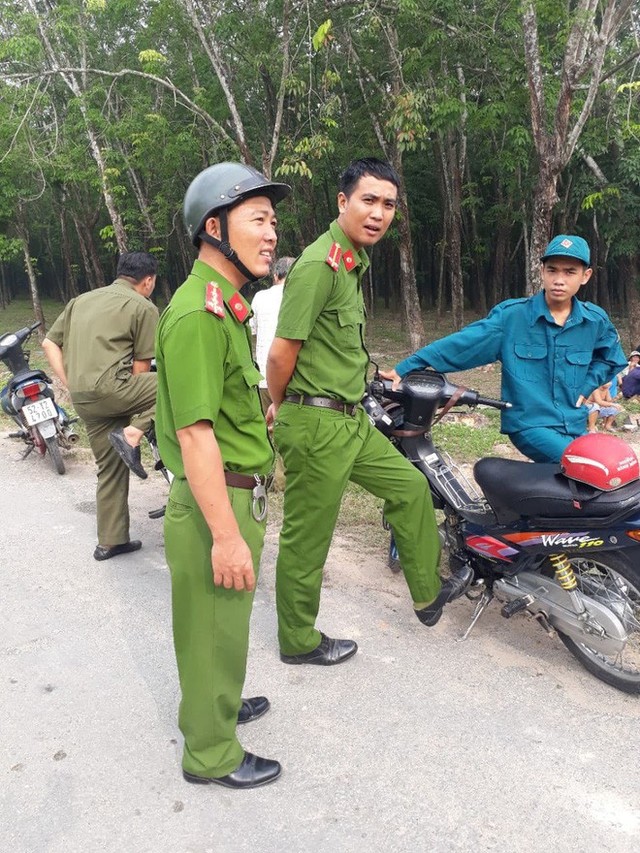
(565, 51)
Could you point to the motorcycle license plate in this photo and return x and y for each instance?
(39, 411)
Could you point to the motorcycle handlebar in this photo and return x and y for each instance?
(467, 398)
(489, 401)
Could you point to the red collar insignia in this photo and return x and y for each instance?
(333, 258)
(348, 260)
(238, 308)
(213, 300)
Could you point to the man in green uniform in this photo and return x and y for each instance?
(212, 436)
(100, 348)
(316, 375)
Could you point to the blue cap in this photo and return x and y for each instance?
(568, 246)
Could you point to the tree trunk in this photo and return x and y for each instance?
(4, 294)
(593, 26)
(499, 265)
(71, 285)
(452, 177)
(33, 281)
(630, 274)
(88, 272)
(94, 259)
(411, 314)
(54, 49)
(544, 200)
(53, 269)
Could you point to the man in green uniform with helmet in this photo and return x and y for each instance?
(212, 436)
(316, 374)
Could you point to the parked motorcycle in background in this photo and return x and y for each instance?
(565, 553)
(29, 399)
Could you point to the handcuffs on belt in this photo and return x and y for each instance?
(259, 499)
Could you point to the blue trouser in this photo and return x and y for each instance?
(542, 444)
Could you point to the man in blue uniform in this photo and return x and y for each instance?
(554, 351)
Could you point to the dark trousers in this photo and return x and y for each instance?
(131, 402)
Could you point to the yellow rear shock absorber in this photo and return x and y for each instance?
(567, 580)
(564, 573)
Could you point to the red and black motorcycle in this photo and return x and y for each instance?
(29, 400)
(540, 542)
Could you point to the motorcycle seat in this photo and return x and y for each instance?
(517, 489)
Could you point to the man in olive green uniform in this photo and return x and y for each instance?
(101, 348)
(316, 375)
(212, 436)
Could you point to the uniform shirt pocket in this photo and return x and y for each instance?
(349, 322)
(577, 367)
(530, 361)
(247, 404)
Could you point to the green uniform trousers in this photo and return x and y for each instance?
(131, 401)
(323, 449)
(210, 631)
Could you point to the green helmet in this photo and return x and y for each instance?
(222, 186)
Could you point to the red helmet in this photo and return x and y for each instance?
(605, 462)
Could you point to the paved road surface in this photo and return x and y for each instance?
(420, 743)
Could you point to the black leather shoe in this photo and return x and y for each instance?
(328, 653)
(452, 588)
(129, 455)
(253, 772)
(104, 553)
(253, 708)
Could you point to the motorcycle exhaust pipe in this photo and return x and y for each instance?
(71, 437)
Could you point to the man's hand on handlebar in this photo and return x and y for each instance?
(393, 376)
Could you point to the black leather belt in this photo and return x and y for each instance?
(323, 403)
(242, 481)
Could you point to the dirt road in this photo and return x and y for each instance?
(419, 743)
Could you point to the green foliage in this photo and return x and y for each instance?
(10, 248)
(414, 78)
(406, 120)
(152, 62)
(108, 237)
(321, 35)
(599, 199)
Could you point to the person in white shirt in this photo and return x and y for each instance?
(265, 307)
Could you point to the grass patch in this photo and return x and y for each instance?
(360, 516)
(467, 443)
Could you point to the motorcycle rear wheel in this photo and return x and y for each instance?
(610, 580)
(38, 441)
(54, 452)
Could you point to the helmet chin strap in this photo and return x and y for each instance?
(224, 247)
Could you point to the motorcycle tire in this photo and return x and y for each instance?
(38, 441)
(54, 452)
(611, 580)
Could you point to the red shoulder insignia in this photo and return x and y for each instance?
(348, 260)
(333, 258)
(213, 300)
(238, 308)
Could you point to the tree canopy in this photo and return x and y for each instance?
(507, 121)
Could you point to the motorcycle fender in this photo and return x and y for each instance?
(47, 429)
(553, 601)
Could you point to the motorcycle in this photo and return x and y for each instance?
(28, 398)
(561, 551)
